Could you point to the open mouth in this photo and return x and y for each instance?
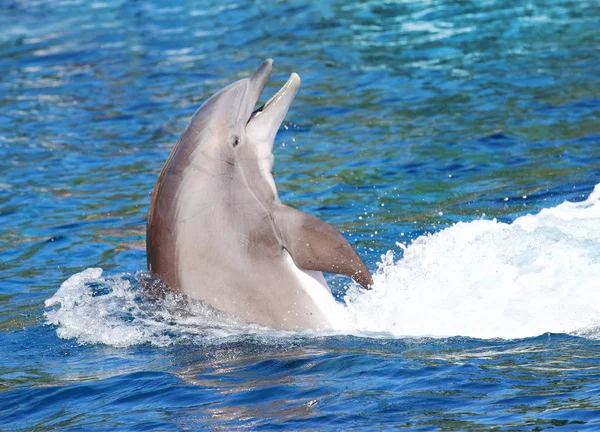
(291, 85)
(274, 110)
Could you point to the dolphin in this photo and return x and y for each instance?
(218, 232)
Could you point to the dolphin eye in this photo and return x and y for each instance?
(236, 141)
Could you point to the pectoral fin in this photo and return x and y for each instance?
(316, 245)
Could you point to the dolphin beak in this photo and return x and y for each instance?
(264, 122)
(259, 80)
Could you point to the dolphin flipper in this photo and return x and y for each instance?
(316, 245)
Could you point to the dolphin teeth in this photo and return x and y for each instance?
(276, 96)
(281, 91)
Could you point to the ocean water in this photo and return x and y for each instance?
(456, 145)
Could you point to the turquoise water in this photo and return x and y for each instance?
(442, 138)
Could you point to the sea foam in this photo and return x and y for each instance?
(483, 279)
(490, 279)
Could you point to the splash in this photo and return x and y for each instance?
(118, 311)
(483, 279)
(489, 279)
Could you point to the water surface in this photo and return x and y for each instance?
(425, 131)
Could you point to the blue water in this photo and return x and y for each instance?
(425, 131)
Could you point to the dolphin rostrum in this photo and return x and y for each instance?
(217, 230)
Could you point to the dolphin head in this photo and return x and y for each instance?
(228, 128)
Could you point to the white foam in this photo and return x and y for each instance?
(482, 279)
(116, 311)
(80, 314)
(489, 279)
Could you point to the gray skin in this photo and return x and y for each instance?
(217, 230)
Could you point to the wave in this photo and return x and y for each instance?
(489, 279)
(481, 279)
